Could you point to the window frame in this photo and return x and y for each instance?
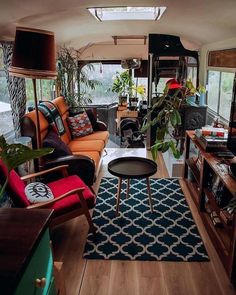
(220, 70)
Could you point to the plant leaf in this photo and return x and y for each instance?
(14, 155)
(160, 133)
(165, 146)
(173, 118)
(178, 117)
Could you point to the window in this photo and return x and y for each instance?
(6, 124)
(192, 74)
(127, 13)
(104, 73)
(219, 96)
(44, 90)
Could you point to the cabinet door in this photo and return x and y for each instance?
(40, 267)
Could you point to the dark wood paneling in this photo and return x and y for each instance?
(222, 58)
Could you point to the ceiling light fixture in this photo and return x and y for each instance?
(127, 13)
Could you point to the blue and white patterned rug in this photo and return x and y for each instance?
(169, 233)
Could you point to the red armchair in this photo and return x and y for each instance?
(71, 196)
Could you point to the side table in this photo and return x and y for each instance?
(132, 167)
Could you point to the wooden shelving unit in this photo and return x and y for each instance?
(199, 172)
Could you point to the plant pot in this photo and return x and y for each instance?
(191, 99)
(133, 103)
(202, 100)
(122, 100)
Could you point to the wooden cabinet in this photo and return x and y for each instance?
(212, 188)
(125, 114)
(26, 263)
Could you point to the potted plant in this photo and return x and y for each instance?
(122, 85)
(16, 154)
(136, 90)
(192, 92)
(70, 77)
(168, 119)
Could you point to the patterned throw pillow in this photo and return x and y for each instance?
(80, 125)
(37, 192)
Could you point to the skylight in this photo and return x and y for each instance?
(127, 13)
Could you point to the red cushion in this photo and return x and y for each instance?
(15, 187)
(71, 202)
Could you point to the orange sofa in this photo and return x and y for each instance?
(87, 150)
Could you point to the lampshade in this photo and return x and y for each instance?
(34, 54)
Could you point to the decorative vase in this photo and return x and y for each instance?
(202, 100)
(191, 99)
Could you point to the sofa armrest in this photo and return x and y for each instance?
(101, 126)
(80, 165)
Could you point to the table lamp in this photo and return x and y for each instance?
(34, 56)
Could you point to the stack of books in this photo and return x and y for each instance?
(212, 139)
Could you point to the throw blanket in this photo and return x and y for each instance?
(51, 113)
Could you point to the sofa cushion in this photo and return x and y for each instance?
(98, 135)
(80, 125)
(71, 202)
(86, 145)
(60, 148)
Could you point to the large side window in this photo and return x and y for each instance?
(44, 90)
(220, 87)
(220, 77)
(6, 124)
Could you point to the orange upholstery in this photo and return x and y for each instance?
(91, 145)
(88, 145)
(43, 122)
(98, 135)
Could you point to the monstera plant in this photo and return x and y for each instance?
(16, 154)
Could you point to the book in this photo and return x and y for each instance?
(212, 144)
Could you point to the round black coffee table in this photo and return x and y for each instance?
(132, 167)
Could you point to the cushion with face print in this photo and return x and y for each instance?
(37, 192)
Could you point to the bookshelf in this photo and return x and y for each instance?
(212, 188)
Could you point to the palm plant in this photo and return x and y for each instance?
(70, 77)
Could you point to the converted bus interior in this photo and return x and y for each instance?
(94, 235)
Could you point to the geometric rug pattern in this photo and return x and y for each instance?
(169, 233)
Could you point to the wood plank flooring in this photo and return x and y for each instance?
(107, 277)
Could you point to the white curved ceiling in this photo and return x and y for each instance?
(197, 22)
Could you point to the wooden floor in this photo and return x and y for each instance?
(107, 277)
